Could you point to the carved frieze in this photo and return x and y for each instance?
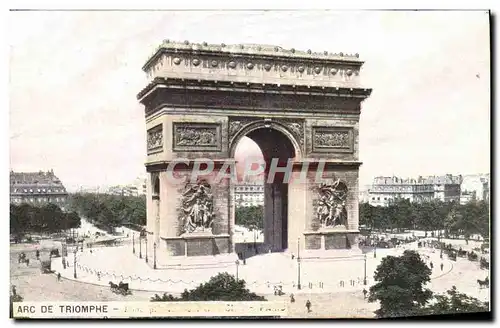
(197, 137)
(254, 61)
(333, 139)
(330, 206)
(296, 127)
(155, 139)
(197, 208)
(237, 124)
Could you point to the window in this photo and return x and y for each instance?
(38, 190)
(25, 190)
(378, 198)
(43, 190)
(31, 190)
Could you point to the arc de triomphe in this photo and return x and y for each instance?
(301, 108)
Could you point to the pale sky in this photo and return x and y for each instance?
(74, 77)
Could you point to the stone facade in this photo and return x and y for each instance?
(202, 99)
(37, 188)
(386, 190)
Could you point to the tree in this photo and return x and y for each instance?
(250, 217)
(222, 287)
(366, 215)
(110, 211)
(455, 302)
(400, 285)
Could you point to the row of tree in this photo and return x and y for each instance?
(26, 219)
(109, 211)
(401, 292)
(454, 218)
(251, 217)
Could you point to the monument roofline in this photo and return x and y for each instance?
(251, 51)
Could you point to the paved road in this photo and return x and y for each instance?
(32, 285)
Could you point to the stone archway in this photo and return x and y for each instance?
(202, 99)
(276, 143)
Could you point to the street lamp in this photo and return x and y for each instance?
(364, 280)
(74, 262)
(140, 246)
(154, 255)
(146, 248)
(133, 243)
(237, 265)
(298, 263)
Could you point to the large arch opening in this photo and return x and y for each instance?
(264, 144)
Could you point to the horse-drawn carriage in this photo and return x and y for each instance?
(22, 258)
(483, 283)
(278, 290)
(121, 288)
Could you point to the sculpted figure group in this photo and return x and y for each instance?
(331, 209)
(197, 207)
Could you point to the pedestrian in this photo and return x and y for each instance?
(14, 292)
(432, 265)
(293, 256)
(442, 266)
(37, 254)
(364, 293)
(58, 276)
(292, 298)
(308, 306)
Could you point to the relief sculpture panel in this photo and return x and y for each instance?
(197, 212)
(197, 137)
(155, 139)
(333, 139)
(331, 205)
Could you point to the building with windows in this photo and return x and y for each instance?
(128, 190)
(37, 188)
(467, 196)
(136, 188)
(249, 194)
(386, 190)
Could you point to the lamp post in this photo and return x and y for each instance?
(74, 262)
(298, 263)
(140, 246)
(237, 265)
(146, 248)
(364, 280)
(154, 255)
(133, 243)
